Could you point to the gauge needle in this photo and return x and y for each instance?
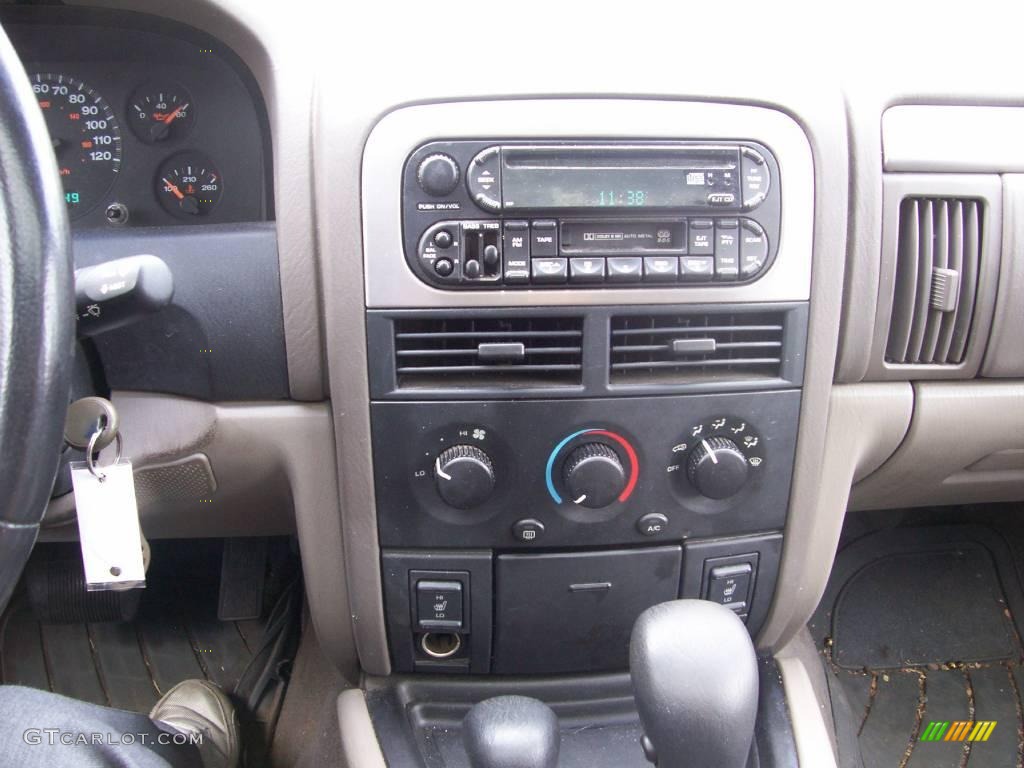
(174, 189)
(169, 118)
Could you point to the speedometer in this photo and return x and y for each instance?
(86, 138)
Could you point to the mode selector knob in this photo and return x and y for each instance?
(438, 175)
(717, 468)
(464, 475)
(594, 475)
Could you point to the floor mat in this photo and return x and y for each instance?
(175, 636)
(917, 626)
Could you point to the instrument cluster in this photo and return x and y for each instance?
(148, 128)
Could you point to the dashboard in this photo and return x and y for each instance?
(149, 128)
(469, 325)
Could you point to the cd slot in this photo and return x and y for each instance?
(609, 237)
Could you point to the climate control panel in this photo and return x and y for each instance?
(518, 474)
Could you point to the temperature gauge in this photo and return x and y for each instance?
(161, 112)
(189, 185)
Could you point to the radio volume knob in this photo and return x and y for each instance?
(717, 468)
(438, 175)
(464, 475)
(594, 475)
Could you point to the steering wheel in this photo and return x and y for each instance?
(36, 318)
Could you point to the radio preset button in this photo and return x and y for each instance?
(544, 238)
(696, 269)
(702, 234)
(483, 179)
(754, 175)
(661, 269)
(625, 269)
(753, 248)
(549, 270)
(584, 270)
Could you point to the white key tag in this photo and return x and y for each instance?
(108, 524)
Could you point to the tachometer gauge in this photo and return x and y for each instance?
(161, 112)
(86, 138)
(188, 185)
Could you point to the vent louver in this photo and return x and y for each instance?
(937, 272)
(684, 349)
(483, 352)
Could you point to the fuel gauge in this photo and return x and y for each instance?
(161, 112)
(188, 185)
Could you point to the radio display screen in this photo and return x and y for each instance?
(556, 177)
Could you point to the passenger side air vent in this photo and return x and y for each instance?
(476, 352)
(687, 349)
(938, 264)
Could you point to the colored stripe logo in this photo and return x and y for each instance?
(958, 730)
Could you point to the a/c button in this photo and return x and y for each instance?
(652, 524)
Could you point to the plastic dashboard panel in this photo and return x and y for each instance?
(222, 336)
(399, 133)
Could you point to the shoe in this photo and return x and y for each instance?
(199, 706)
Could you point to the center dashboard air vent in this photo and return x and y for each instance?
(695, 348)
(473, 352)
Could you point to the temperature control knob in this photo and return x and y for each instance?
(594, 475)
(438, 175)
(717, 468)
(464, 475)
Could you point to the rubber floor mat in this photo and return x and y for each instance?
(176, 636)
(917, 626)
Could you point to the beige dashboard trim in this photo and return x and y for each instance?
(866, 423)
(809, 711)
(957, 139)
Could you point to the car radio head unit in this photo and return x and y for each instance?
(487, 214)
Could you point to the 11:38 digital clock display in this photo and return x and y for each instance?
(631, 198)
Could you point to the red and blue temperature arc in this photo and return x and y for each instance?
(634, 465)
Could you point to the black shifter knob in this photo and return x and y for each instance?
(511, 732)
(695, 681)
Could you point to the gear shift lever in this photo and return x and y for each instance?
(695, 681)
(511, 732)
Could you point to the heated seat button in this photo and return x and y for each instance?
(439, 604)
(728, 585)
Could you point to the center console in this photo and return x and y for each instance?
(587, 322)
